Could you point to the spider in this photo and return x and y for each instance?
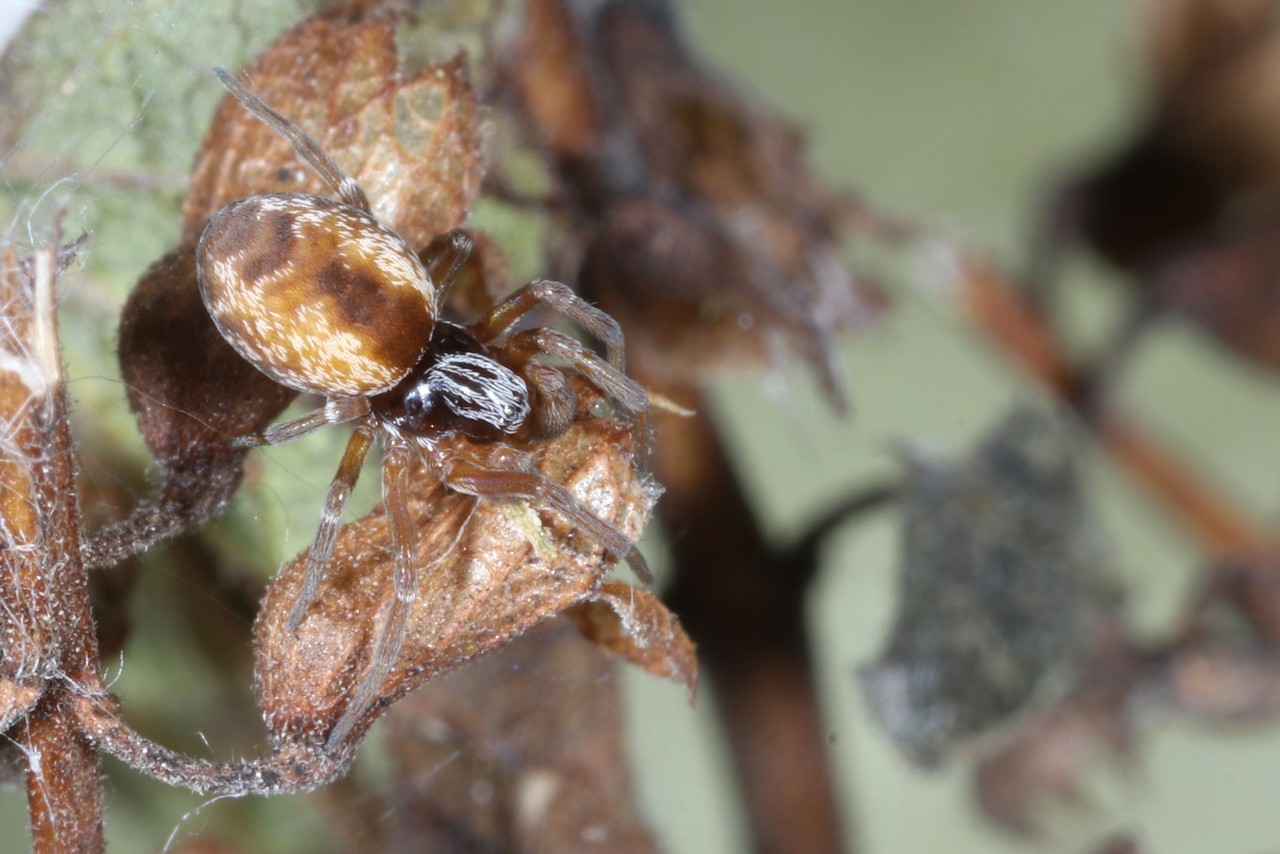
(323, 298)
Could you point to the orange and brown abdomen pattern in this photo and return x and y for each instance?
(315, 293)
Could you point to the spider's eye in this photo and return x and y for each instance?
(476, 388)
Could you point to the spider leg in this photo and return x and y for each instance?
(308, 149)
(391, 631)
(604, 375)
(450, 255)
(559, 296)
(335, 411)
(326, 535)
(544, 494)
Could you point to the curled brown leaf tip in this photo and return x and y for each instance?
(488, 570)
(634, 624)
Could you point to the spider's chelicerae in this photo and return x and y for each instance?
(323, 298)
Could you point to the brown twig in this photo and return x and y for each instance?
(743, 604)
(1001, 312)
(291, 768)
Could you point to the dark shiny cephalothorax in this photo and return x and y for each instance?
(457, 386)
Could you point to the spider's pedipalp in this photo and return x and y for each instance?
(445, 266)
(615, 384)
(553, 397)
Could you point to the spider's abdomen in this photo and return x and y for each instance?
(316, 294)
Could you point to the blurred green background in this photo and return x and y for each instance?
(957, 113)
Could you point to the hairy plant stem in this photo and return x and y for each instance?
(42, 554)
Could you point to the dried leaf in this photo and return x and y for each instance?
(635, 625)
(697, 300)
(191, 392)
(520, 751)
(413, 144)
(1218, 88)
(705, 233)
(487, 571)
(1185, 39)
(1000, 588)
(551, 74)
(1209, 153)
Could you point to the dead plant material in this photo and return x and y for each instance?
(696, 221)
(492, 569)
(1050, 753)
(413, 143)
(497, 566)
(1188, 207)
(699, 223)
(472, 772)
(1004, 581)
(46, 628)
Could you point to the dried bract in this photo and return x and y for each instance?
(702, 228)
(490, 570)
(192, 394)
(1189, 206)
(413, 143)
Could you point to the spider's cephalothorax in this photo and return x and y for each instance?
(456, 387)
(323, 298)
